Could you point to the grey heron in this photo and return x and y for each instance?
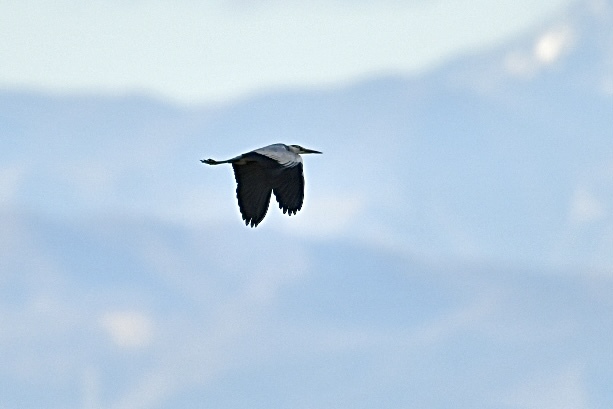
(274, 169)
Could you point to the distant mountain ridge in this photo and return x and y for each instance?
(493, 155)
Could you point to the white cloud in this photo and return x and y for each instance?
(607, 84)
(94, 181)
(10, 181)
(200, 205)
(460, 319)
(547, 49)
(553, 44)
(434, 332)
(519, 64)
(564, 390)
(585, 207)
(91, 389)
(328, 215)
(128, 329)
(599, 7)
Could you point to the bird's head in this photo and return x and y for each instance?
(300, 150)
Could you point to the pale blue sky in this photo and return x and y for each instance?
(207, 51)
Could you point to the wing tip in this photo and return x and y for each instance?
(252, 221)
(288, 211)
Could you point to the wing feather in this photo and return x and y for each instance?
(253, 189)
(288, 187)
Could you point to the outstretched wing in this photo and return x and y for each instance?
(288, 187)
(252, 191)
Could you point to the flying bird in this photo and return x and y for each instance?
(272, 169)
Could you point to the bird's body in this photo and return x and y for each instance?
(272, 169)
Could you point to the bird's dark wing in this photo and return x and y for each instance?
(252, 191)
(288, 187)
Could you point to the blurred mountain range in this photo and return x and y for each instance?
(454, 250)
(503, 155)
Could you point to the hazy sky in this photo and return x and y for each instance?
(197, 51)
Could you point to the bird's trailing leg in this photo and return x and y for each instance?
(219, 162)
(211, 161)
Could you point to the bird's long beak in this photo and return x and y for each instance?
(305, 150)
